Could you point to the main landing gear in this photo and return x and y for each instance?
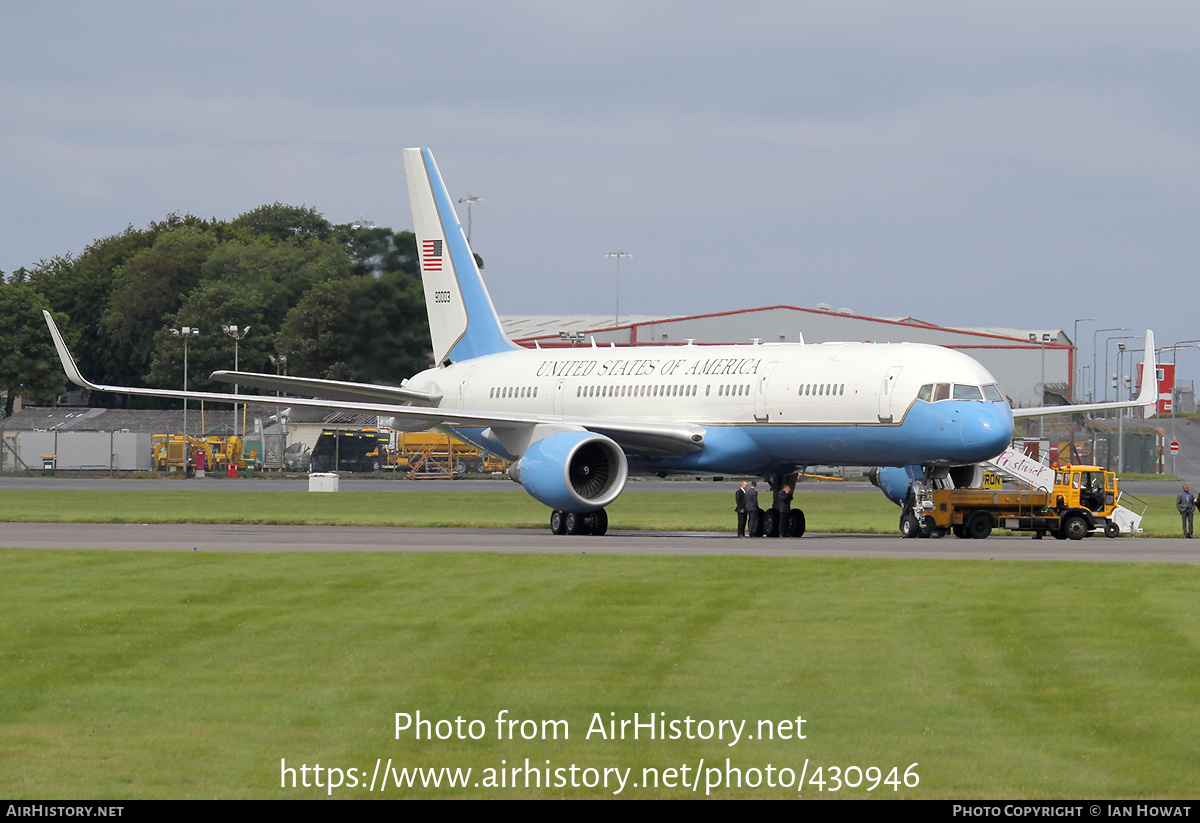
(574, 523)
(770, 520)
(768, 524)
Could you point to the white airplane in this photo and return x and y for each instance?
(577, 422)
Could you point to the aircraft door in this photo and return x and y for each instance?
(558, 396)
(886, 390)
(761, 415)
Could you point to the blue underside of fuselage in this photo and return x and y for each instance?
(945, 433)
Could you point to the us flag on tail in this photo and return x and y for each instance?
(431, 255)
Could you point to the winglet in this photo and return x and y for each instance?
(64, 354)
(1148, 396)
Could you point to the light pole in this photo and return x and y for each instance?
(185, 333)
(1108, 340)
(1095, 372)
(1075, 343)
(237, 336)
(470, 200)
(618, 254)
(1033, 338)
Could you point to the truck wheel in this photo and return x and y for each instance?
(909, 528)
(930, 528)
(1075, 527)
(1111, 529)
(960, 531)
(979, 526)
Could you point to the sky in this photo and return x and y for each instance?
(1018, 164)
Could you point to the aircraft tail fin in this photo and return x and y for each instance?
(462, 320)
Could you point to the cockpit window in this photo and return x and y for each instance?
(941, 392)
(992, 392)
(926, 392)
(963, 392)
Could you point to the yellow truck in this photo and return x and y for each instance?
(167, 452)
(1084, 500)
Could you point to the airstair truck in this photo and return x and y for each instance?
(1082, 500)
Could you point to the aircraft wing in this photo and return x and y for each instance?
(331, 389)
(1147, 397)
(634, 436)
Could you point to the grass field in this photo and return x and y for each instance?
(689, 511)
(129, 674)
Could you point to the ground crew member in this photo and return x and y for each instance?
(1187, 507)
(752, 508)
(739, 503)
(783, 505)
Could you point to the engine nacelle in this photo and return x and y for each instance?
(574, 471)
(894, 481)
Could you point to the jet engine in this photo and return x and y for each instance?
(894, 481)
(575, 471)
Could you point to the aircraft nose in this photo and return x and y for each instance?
(987, 429)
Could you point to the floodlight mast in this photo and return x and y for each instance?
(185, 333)
(237, 335)
(470, 200)
(618, 254)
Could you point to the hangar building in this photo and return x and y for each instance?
(1034, 367)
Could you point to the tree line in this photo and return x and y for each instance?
(341, 302)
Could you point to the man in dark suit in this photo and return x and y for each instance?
(739, 502)
(783, 505)
(1187, 507)
(752, 508)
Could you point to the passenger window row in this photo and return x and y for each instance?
(657, 390)
(504, 392)
(821, 389)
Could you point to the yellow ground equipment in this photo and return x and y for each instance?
(1084, 499)
(166, 452)
(432, 453)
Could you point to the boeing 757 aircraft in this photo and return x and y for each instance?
(577, 422)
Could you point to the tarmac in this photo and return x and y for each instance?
(230, 538)
(188, 537)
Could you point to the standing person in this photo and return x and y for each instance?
(739, 503)
(752, 508)
(783, 505)
(1187, 506)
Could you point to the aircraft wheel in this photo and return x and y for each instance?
(770, 523)
(1111, 529)
(558, 522)
(1075, 528)
(600, 523)
(798, 523)
(909, 527)
(576, 523)
(979, 525)
(929, 527)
